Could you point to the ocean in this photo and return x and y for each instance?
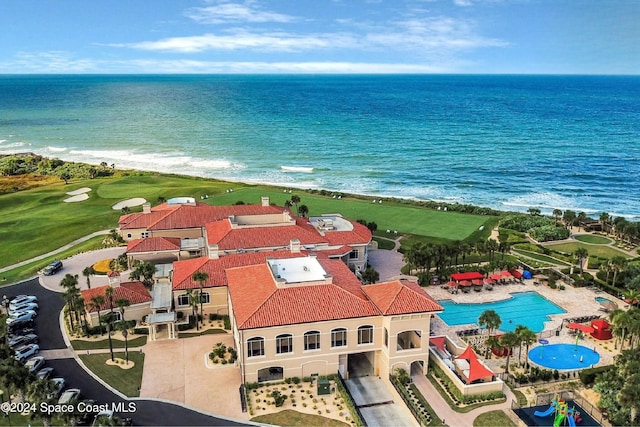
(506, 142)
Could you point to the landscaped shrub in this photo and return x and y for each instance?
(588, 376)
(278, 398)
(141, 331)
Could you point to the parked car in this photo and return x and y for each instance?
(26, 351)
(69, 395)
(17, 325)
(58, 386)
(44, 373)
(35, 363)
(21, 299)
(53, 268)
(21, 316)
(19, 308)
(21, 331)
(20, 340)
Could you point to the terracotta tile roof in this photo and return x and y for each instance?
(398, 297)
(167, 217)
(359, 235)
(135, 292)
(215, 268)
(257, 302)
(154, 244)
(226, 238)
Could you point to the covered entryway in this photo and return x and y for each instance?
(360, 364)
(375, 402)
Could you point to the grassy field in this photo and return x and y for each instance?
(103, 344)
(37, 220)
(126, 381)
(592, 238)
(290, 417)
(493, 419)
(601, 251)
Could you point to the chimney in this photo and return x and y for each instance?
(265, 201)
(294, 244)
(114, 278)
(146, 207)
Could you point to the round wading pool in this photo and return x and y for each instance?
(563, 356)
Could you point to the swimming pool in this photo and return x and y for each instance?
(563, 356)
(602, 299)
(524, 308)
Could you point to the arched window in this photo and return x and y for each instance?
(365, 334)
(339, 337)
(255, 347)
(312, 340)
(284, 343)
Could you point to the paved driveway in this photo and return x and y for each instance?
(177, 370)
(375, 402)
(148, 412)
(387, 263)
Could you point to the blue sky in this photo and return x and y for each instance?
(320, 36)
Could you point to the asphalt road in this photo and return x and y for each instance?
(147, 412)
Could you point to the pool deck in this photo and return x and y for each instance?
(577, 302)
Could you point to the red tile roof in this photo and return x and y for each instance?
(215, 268)
(135, 292)
(168, 217)
(359, 235)
(227, 238)
(257, 302)
(398, 297)
(154, 244)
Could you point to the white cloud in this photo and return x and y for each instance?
(224, 13)
(48, 62)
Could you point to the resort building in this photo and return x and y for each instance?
(135, 292)
(183, 228)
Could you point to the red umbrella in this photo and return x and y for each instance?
(452, 284)
(505, 273)
(584, 328)
(488, 281)
(496, 276)
(465, 283)
(477, 282)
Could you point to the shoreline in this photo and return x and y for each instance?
(501, 209)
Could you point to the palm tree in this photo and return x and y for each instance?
(87, 272)
(604, 221)
(108, 293)
(96, 304)
(527, 337)
(618, 263)
(70, 284)
(620, 323)
(303, 211)
(42, 391)
(490, 319)
(144, 271)
(491, 343)
(480, 248)
(81, 307)
(557, 214)
(581, 218)
(569, 218)
(509, 340)
(491, 246)
(123, 303)
(194, 299)
(581, 255)
(295, 199)
(200, 277)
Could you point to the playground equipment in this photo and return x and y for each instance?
(562, 413)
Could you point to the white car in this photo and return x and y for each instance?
(69, 395)
(19, 308)
(35, 363)
(20, 340)
(20, 299)
(26, 351)
(44, 373)
(21, 316)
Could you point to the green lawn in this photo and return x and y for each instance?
(540, 257)
(37, 221)
(126, 381)
(384, 243)
(197, 334)
(493, 419)
(594, 239)
(601, 251)
(103, 344)
(289, 417)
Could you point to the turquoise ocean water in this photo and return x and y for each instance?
(508, 142)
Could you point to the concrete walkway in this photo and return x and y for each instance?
(444, 411)
(56, 251)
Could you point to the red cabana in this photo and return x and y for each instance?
(515, 273)
(601, 329)
(584, 328)
(438, 342)
(466, 276)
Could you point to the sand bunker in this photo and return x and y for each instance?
(78, 198)
(129, 203)
(79, 191)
